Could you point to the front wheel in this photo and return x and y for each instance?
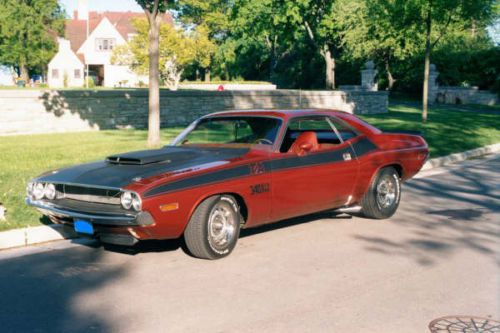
(214, 228)
(382, 199)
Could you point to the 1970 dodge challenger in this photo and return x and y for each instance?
(232, 170)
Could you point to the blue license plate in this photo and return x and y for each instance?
(84, 227)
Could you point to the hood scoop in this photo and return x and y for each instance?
(131, 161)
(143, 157)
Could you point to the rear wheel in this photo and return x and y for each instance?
(214, 228)
(382, 199)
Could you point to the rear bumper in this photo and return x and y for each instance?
(105, 219)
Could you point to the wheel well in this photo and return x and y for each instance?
(241, 204)
(239, 200)
(397, 167)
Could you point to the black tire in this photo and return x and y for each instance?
(210, 233)
(377, 205)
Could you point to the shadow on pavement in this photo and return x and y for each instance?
(444, 213)
(41, 292)
(175, 244)
(292, 222)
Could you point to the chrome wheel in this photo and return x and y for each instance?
(382, 198)
(222, 225)
(386, 192)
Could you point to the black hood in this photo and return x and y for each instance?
(120, 170)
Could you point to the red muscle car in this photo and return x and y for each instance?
(232, 170)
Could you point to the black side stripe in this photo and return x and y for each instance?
(204, 179)
(361, 147)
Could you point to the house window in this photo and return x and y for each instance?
(78, 74)
(55, 73)
(104, 44)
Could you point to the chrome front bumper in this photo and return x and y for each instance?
(102, 218)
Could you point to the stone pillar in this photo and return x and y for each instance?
(433, 84)
(368, 77)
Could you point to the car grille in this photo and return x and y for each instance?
(89, 207)
(89, 194)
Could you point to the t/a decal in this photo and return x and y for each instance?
(259, 188)
(257, 168)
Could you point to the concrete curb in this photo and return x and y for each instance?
(35, 235)
(459, 157)
(48, 233)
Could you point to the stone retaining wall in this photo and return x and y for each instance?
(39, 111)
(462, 95)
(227, 86)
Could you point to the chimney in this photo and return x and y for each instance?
(83, 9)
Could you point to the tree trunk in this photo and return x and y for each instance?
(272, 67)
(390, 78)
(425, 95)
(273, 62)
(227, 74)
(207, 74)
(154, 84)
(24, 73)
(329, 68)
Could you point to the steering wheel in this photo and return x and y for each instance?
(263, 141)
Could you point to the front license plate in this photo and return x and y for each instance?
(84, 227)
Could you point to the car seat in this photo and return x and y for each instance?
(304, 139)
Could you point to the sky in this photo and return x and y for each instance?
(102, 5)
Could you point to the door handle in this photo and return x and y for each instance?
(347, 156)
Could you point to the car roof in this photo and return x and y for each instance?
(287, 113)
(291, 113)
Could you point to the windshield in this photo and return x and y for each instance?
(230, 130)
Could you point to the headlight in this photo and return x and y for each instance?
(131, 200)
(136, 202)
(50, 191)
(38, 191)
(126, 200)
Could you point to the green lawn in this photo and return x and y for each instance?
(26, 156)
(446, 131)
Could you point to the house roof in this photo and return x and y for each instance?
(76, 30)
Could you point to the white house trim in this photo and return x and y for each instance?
(104, 30)
(65, 69)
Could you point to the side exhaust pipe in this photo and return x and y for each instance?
(348, 210)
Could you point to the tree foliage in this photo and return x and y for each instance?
(27, 33)
(177, 49)
(317, 43)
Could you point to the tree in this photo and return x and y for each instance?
(381, 30)
(154, 10)
(316, 18)
(438, 16)
(210, 15)
(260, 22)
(28, 31)
(177, 49)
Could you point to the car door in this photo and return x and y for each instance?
(315, 180)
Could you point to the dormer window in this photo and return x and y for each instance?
(104, 44)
